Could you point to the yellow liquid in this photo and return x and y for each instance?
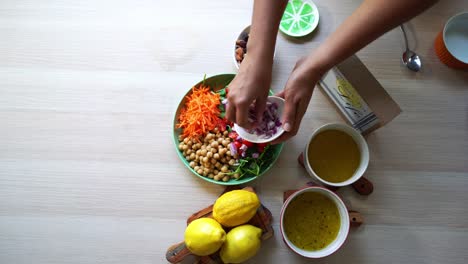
(334, 155)
(311, 221)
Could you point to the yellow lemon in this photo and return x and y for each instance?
(204, 236)
(235, 207)
(242, 243)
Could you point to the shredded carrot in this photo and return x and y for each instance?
(200, 114)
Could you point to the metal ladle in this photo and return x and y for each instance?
(409, 57)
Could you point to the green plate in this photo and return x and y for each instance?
(216, 83)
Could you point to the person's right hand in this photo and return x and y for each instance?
(251, 85)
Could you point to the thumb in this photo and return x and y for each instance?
(289, 115)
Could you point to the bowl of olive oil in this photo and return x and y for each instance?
(336, 155)
(314, 222)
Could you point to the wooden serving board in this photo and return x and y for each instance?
(362, 186)
(262, 219)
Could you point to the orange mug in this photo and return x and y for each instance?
(451, 44)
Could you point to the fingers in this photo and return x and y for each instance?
(260, 105)
(294, 111)
(230, 111)
(289, 115)
(280, 94)
(242, 115)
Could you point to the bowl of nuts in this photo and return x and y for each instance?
(240, 48)
(207, 143)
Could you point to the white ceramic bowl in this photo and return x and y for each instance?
(342, 233)
(254, 138)
(244, 32)
(363, 149)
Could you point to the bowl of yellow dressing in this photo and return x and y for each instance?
(336, 155)
(314, 222)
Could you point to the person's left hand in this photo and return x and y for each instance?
(297, 95)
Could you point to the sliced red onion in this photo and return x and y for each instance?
(233, 149)
(270, 121)
(243, 148)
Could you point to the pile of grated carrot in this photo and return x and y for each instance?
(201, 113)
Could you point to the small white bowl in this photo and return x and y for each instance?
(254, 138)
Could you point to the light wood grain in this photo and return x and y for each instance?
(89, 172)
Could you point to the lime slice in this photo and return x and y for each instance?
(300, 18)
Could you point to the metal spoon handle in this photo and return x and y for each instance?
(404, 36)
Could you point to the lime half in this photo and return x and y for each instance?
(300, 18)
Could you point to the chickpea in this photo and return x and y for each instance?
(210, 175)
(217, 177)
(218, 135)
(203, 147)
(232, 162)
(214, 150)
(196, 168)
(226, 178)
(213, 161)
(228, 153)
(215, 171)
(214, 144)
(205, 159)
(223, 160)
(189, 151)
(186, 140)
(180, 137)
(220, 140)
(204, 173)
(218, 165)
(209, 154)
(200, 171)
(200, 158)
(222, 151)
(192, 156)
(184, 147)
(203, 152)
(192, 164)
(225, 133)
(236, 175)
(216, 130)
(216, 156)
(224, 168)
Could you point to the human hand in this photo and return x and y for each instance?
(251, 85)
(297, 95)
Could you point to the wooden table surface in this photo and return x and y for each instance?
(89, 172)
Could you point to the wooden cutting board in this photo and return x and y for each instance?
(262, 219)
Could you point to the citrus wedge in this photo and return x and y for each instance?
(300, 18)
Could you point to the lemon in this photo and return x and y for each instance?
(204, 236)
(242, 243)
(299, 18)
(235, 207)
